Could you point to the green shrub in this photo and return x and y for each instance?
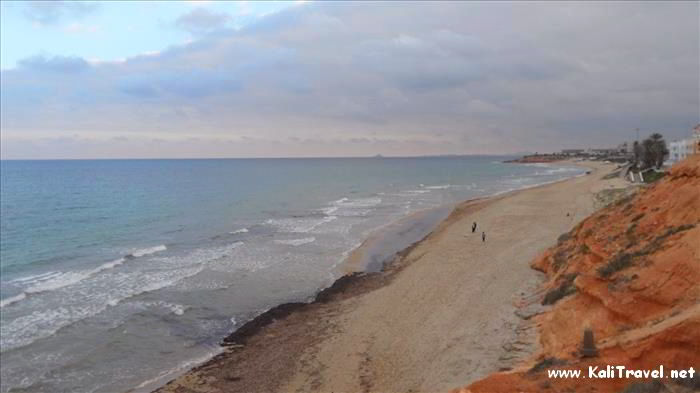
(619, 262)
(564, 289)
(651, 176)
(657, 243)
(625, 199)
(624, 260)
(560, 258)
(691, 383)
(563, 237)
(644, 387)
(545, 364)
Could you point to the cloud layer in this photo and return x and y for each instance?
(201, 20)
(50, 12)
(367, 78)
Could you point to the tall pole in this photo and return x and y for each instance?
(635, 148)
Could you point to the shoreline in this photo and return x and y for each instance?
(352, 284)
(357, 262)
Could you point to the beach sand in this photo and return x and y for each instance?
(447, 311)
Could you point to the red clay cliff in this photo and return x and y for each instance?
(631, 273)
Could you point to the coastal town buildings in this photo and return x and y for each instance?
(681, 149)
(602, 152)
(572, 152)
(625, 148)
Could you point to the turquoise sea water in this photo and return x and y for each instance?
(115, 273)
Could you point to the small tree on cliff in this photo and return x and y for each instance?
(654, 151)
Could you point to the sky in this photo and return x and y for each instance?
(306, 79)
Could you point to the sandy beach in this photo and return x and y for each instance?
(444, 313)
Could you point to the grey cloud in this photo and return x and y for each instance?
(201, 20)
(50, 12)
(138, 89)
(62, 64)
(367, 78)
(187, 84)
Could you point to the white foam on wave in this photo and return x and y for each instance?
(58, 280)
(440, 187)
(148, 251)
(174, 308)
(347, 207)
(249, 259)
(37, 277)
(330, 210)
(243, 230)
(52, 281)
(297, 242)
(12, 299)
(359, 202)
(299, 225)
(92, 296)
(523, 184)
(562, 170)
(552, 169)
(61, 280)
(518, 180)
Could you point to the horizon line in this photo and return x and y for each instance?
(261, 158)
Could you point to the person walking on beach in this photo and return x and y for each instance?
(474, 227)
(483, 236)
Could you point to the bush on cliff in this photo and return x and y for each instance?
(564, 289)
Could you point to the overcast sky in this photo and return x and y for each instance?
(215, 79)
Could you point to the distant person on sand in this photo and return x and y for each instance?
(474, 227)
(483, 236)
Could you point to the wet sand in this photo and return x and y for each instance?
(385, 243)
(446, 311)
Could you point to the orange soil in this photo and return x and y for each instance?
(644, 309)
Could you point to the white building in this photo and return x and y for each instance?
(572, 152)
(626, 148)
(679, 150)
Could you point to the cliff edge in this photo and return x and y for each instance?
(631, 274)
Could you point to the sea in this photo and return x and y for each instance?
(116, 275)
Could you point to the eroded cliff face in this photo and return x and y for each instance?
(631, 273)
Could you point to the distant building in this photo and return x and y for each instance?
(625, 148)
(678, 150)
(602, 152)
(572, 152)
(681, 149)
